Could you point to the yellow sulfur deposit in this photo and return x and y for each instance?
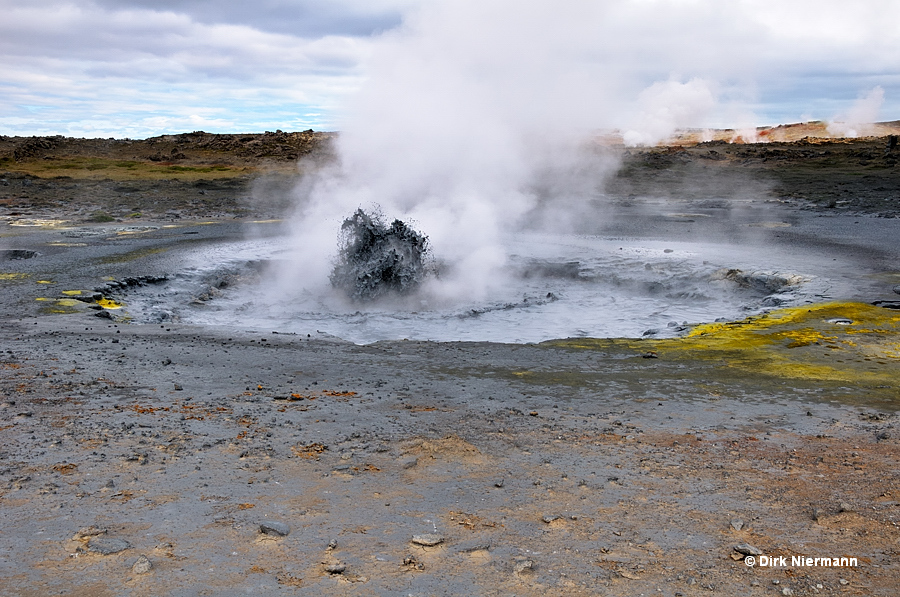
(848, 342)
(109, 304)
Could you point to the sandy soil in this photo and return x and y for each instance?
(414, 468)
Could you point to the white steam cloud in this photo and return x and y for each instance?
(473, 116)
(477, 119)
(666, 106)
(861, 115)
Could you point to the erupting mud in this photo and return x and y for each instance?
(376, 259)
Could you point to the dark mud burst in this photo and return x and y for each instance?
(375, 260)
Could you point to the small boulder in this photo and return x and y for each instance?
(747, 549)
(143, 565)
(274, 528)
(428, 539)
(106, 546)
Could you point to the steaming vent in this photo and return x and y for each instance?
(375, 260)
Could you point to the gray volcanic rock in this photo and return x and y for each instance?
(106, 546)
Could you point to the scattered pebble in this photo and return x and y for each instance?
(737, 524)
(428, 539)
(408, 463)
(845, 507)
(550, 518)
(747, 549)
(90, 531)
(274, 528)
(471, 547)
(335, 568)
(332, 545)
(523, 566)
(143, 565)
(106, 546)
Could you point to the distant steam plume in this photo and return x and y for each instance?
(859, 118)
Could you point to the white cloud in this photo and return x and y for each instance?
(80, 61)
(773, 58)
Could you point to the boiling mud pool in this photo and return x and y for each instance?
(553, 286)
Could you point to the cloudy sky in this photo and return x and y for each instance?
(137, 68)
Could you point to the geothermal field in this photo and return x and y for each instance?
(271, 364)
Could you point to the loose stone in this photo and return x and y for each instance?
(274, 528)
(90, 531)
(747, 549)
(428, 539)
(106, 546)
(523, 566)
(143, 565)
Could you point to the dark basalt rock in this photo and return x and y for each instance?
(13, 254)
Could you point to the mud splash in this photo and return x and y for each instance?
(375, 260)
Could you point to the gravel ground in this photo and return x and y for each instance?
(173, 459)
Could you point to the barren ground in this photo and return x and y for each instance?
(565, 468)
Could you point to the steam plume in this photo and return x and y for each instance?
(856, 122)
(477, 119)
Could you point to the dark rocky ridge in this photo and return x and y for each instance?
(189, 147)
(204, 175)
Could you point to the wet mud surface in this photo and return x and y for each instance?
(151, 459)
